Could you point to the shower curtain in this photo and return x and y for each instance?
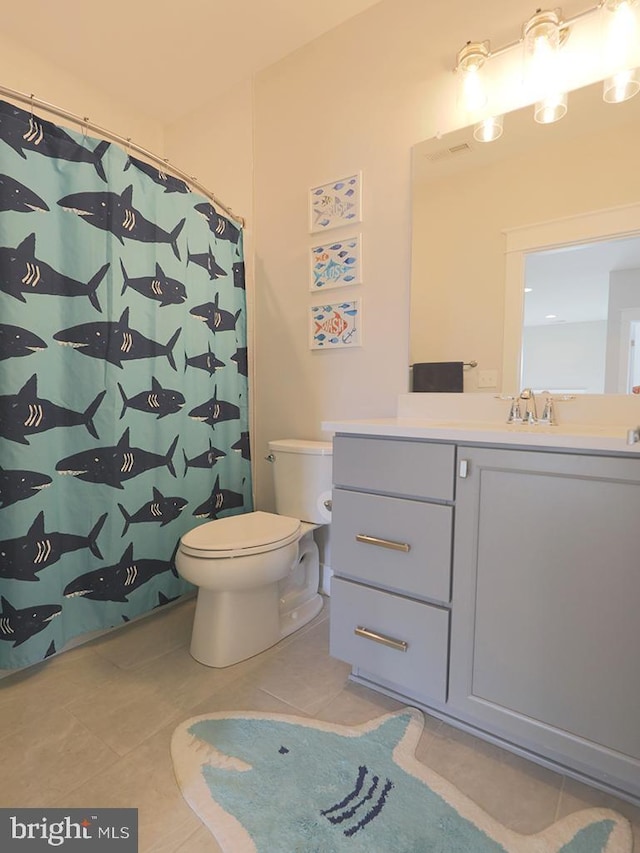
(123, 382)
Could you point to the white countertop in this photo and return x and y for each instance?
(600, 438)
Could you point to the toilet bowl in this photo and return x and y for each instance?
(258, 573)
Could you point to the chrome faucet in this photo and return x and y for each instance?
(530, 413)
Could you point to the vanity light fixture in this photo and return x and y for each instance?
(469, 63)
(621, 40)
(543, 36)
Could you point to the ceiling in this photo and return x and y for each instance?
(167, 58)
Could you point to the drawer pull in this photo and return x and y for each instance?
(383, 543)
(399, 645)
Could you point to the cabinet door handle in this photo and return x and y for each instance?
(399, 645)
(382, 543)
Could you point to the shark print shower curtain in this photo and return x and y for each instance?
(123, 382)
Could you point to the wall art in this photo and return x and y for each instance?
(336, 264)
(336, 203)
(337, 325)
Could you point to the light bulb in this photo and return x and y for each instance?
(489, 129)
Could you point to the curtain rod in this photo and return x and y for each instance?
(122, 140)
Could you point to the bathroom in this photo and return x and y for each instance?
(356, 99)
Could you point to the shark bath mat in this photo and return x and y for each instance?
(268, 783)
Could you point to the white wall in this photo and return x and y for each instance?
(356, 99)
(565, 358)
(25, 71)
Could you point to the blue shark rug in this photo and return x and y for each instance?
(279, 784)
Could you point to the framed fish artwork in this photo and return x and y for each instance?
(337, 325)
(335, 204)
(336, 264)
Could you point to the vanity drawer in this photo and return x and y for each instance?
(392, 542)
(409, 468)
(412, 646)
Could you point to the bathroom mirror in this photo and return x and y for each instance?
(554, 208)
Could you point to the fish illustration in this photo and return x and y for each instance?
(166, 291)
(115, 465)
(115, 583)
(170, 183)
(215, 411)
(333, 325)
(24, 556)
(205, 460)
(25, 413)
(205, 361)
(158, 401)
(16, 197)
(242, 446)
(218, 225)
(159, 509)
(218, 501)
(16, 342)
(17, 485)
(21, 273)
(115, 341)
(18, 626)
(24, 131)
(240, 357)
(117, 215)
(207, 261)
(238, 275)
(350, 789)
(215, 318)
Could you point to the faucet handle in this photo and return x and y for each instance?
(548, 413)
(515, 416)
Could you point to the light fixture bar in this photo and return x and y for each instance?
(566, 22)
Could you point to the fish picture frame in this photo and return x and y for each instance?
(336, 264)
(336, 203)
(335, 326)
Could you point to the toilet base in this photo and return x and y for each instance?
(229, 627)
(232, 625)
(295, 619)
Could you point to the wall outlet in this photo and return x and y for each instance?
(487, 379)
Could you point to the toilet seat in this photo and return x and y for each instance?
(241, 535)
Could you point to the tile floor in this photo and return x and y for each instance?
(91, 727)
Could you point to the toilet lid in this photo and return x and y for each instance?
(250, 532)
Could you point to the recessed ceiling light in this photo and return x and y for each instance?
(528, 289)
(550, 316)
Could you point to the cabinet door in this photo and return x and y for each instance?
(546, 596)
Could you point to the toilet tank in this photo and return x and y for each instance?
(302, 478)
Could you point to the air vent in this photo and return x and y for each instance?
(446, 153)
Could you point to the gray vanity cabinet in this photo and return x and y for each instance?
(498, 588)
(391, 536)
(545, 641)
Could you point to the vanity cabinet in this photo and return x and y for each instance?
(392, 528)
(498, 588)
(545, 641)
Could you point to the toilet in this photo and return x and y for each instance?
(258, 573)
